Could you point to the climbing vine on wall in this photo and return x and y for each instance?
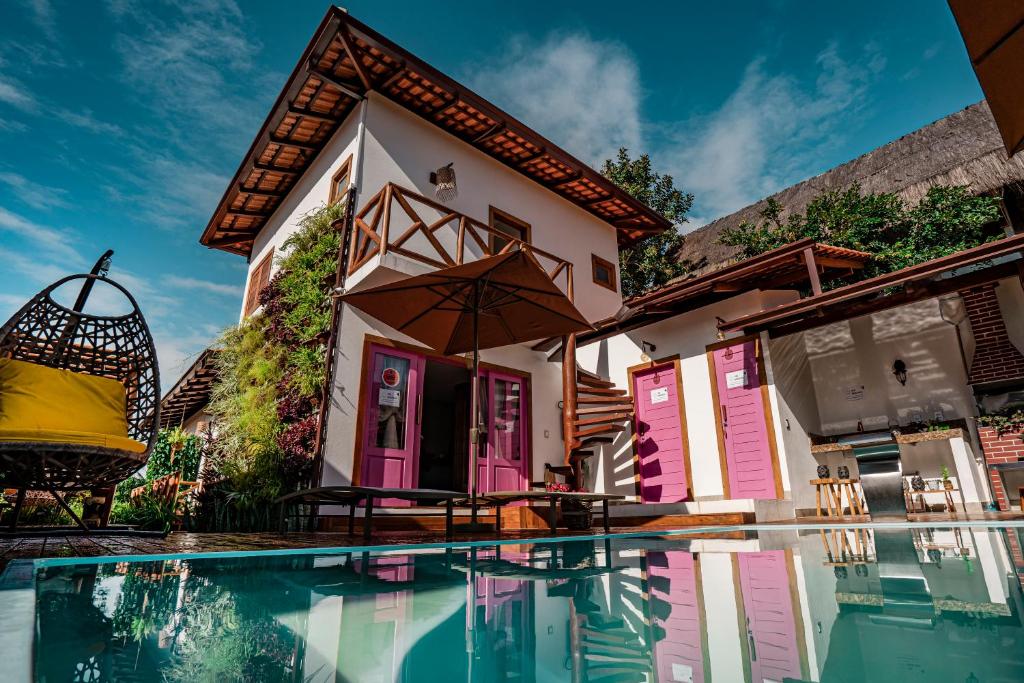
(271, 371)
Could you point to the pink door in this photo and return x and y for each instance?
(744, 428)
(502, 461)
(672, 577)
(770, 623)
(660, 436)
(391, 431)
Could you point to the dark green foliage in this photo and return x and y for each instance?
(947, 220)
(175, 451)
(653, 261)
(271, 372)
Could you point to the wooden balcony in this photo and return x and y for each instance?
(399, 221)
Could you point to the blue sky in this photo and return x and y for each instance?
(122, 122)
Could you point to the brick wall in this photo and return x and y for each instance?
(999, 449)
(995, 356)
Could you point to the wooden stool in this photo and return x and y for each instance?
(833, 498)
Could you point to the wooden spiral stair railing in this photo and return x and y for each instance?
(594, 411)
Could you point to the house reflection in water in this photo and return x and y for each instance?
(833, 605)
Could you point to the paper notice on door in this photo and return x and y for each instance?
(389, 397)
(854, 393)
(736, 379)
(659, 395)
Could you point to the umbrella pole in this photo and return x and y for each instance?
(474, 407)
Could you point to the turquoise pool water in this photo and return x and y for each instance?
(772, 604)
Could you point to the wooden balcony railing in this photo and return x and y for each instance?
(401, 221)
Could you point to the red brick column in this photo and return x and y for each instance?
(999, 448)
(995, 356)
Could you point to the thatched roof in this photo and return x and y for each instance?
(964, 148)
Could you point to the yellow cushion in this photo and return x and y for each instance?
(121, 443)
(38, 403)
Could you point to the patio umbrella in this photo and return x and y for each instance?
(496, 301)
(993, 31)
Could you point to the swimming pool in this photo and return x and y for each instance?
(862, 603)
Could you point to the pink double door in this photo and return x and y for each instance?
(660, 437)
(744, 421)
(393, 413)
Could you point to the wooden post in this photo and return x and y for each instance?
(812, 270)
(386, 219)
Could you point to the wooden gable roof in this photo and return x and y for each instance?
(343, 62)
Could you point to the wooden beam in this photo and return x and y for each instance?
(345, 88)
(275, 169)
(217, 242)
(489, 133)
(296, 144)
(397, 74)
(311, 115)
(262, 193)
(350, 48)
(576, 175)
(812, 270)
(247, 212)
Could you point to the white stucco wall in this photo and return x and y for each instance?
(687, 336)
(402, 148)
(859, 354)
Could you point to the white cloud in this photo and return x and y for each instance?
(83, 118)
(581, 92)
(43, 17)
(770, 132)
(31, 193)
(202, 285)
(48, 243)
(15, 94)
(199, 69)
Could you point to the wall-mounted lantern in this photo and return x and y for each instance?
(899, 369)
(646, 349)
(444, 181)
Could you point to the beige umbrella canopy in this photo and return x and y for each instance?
(993, 31)
(496, 301)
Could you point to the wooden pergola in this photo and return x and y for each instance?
(985, 263)
(804, 263)
(346, 60)
(191, 393)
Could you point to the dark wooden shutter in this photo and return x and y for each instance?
(257, 283)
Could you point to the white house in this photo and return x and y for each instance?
(716, 395)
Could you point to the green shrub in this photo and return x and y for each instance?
(947, 220)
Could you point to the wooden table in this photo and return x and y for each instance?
(833, 490)
(352, 496)
(923, 505)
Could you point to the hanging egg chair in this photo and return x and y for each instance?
(79, 394)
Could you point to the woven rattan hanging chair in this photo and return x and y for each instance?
(119, 347)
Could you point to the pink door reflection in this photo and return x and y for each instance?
(391, 430)
(659, 431)
(770, 621)
(672, 581)
(502, 463)
(744, 426)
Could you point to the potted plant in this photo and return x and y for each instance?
(578, 515)
(946, 483)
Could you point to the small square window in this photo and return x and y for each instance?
(506, 224)
(604, 272)
(340, 181)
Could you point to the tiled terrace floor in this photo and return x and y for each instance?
(66, 545)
